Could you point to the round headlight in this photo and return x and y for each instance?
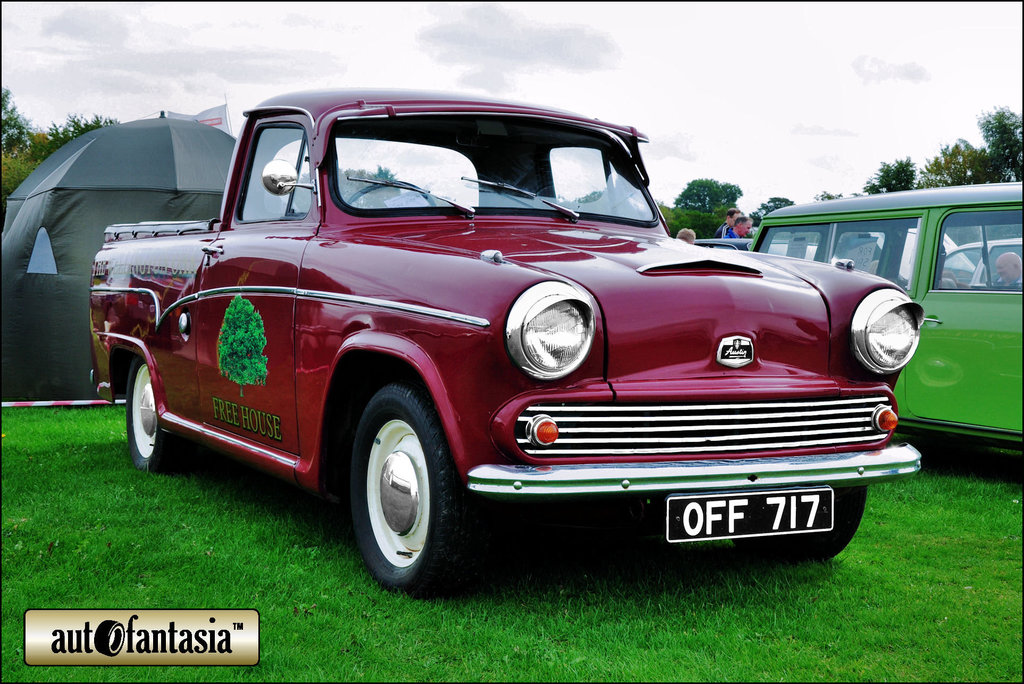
(550, 329)
(885, 330)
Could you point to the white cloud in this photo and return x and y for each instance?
(87, 25)
(674, 146)
(494, 46)
(803, 129)
(875, 70)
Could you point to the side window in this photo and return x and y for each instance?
(979, 250)
(884, 247)
(277, 142)
(802, 242)
(860, 247)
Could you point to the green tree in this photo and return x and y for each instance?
(900, 175)
(826, 195)
(958, 164)
(1001, 130)
(58, 135)
(24, 148)
(382, 173)
(17, 130)
(703, 225)
(768, 207)
(707, 195)
(240, 345)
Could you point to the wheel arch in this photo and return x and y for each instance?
(121, 357)
(363, 366)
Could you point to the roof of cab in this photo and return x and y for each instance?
(990, 193)
(319, 104)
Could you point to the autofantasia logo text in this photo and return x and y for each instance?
(145, 637)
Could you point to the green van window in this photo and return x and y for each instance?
(979, 250)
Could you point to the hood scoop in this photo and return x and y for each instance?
(700, 267)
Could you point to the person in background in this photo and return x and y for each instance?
(741, 227)
(686, 235)
(1008, 271)
(730, 220)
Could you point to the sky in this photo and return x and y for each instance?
(782, 99)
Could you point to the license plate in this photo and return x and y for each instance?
(704, 517)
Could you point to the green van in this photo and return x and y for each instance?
(957, 252)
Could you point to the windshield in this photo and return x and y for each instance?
(493, 166)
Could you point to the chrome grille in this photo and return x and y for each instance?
(615, 429)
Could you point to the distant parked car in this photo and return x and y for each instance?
(742, 244)
(941, 245)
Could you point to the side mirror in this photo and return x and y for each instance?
(279, 178)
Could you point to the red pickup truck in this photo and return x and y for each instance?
(441, 307)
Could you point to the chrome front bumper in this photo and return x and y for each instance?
(533, 483)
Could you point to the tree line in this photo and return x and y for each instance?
(25, 146)
(701, 206)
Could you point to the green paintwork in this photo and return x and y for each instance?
(965, 378)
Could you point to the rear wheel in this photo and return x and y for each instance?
(849, 509)
(149, 445)
(412, 519)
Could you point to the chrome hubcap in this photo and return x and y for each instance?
(399, 492)
(147, 411)
(143, 410)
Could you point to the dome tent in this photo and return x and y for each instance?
(147, 170)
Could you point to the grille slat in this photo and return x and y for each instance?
(696, 428)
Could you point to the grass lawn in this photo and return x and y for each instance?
(929, 590)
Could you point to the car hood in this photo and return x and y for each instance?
(666, 306)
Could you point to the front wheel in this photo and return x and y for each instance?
(149, 445)
(412, 520)
(849, 509)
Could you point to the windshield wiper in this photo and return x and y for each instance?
(505, 187)
(468, 211)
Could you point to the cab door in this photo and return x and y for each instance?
(967, 368)
(246, 313)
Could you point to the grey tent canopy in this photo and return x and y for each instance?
(148, 170)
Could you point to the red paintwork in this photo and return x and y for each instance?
(655, 332)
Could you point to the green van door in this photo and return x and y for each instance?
(968, 363)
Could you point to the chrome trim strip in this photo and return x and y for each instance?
(137, 290)
(701, 448)
(332, 297)
(222, 436)
(265, 289)
(745, 418)
(523, 482)
(688, 407)
(398, 306)
(631, 431)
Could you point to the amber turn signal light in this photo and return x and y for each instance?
(542, 430)
(885, 419)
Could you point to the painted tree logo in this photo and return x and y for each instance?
(240, 345)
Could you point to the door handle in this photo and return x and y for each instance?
(932, 319)
(213, 250)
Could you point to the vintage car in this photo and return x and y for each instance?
(945, 246)
(444, 309)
